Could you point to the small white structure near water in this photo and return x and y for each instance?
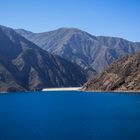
(63, 89)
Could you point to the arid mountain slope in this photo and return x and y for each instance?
(122, 75)
(25, 66)
(88, 51)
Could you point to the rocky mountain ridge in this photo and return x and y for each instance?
(24, 66)
(93, 53)
(122, 75)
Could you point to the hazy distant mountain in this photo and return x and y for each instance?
(25, 66)
(122, 75)
(88, 51)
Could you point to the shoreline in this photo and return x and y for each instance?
(113, 91)
(80, 89)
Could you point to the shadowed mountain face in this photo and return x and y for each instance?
(122, 75)
(90, 52)
(25, 66)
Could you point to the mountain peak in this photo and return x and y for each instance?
(25, 66)
(82, 48)
(69, 29)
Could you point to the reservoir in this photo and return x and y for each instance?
(69, 115)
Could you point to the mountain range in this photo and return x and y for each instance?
(121, 75)
(24, 66)
(66, 57)
(92, 53)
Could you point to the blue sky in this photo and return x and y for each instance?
(120, 18)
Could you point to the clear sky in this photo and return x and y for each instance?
(120, 18)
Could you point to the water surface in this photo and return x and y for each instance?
(69, 116)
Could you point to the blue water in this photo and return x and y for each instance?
(69, 116)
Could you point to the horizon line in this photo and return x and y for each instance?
(70, 27)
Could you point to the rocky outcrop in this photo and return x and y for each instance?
(24, 66)
(122, 75)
